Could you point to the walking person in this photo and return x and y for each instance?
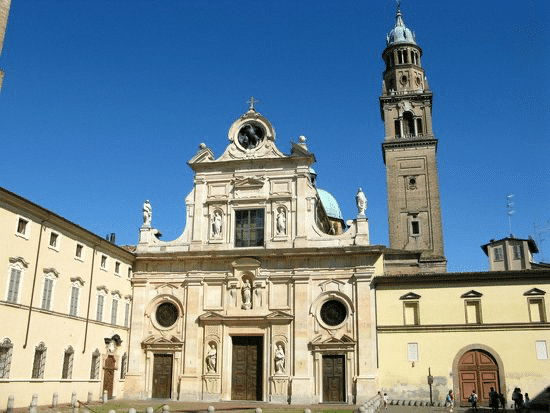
(473, 400)
(385, 398)
(450, 399)
(517, 397)
(494, 400)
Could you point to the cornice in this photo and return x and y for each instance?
(462, 327)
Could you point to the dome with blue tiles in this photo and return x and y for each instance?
(400, 33)
(329, 203)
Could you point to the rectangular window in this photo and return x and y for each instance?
(67, 371)
(541, 349)
(516, 249)
(22, 226)
(73, 309)
(415, 227)
(537, 313)
(114, 311)
(6, 348)
(127, 314)
(78, 251)
(47, 294)
(53, 239)
(117, 267)
(13, 289)
(103, 261)
(499, 256)
(411, 313)
(473, 311)
(94, 370)
(397, 126)
(99, 312)
(39, 363)
(249, 228)
(129, 272)
(412, 351)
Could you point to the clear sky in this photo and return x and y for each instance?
(104, 102)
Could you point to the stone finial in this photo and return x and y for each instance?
(202, 146)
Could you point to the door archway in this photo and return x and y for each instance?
(477, 369)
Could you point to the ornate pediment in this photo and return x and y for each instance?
(275, 317)
(166, 288)
(332, 285)
(332, 343)
(161, 342)
(534, 291)
(280, 315)
(204, 154)
(249, 183)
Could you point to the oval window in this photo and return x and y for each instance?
(166, 314)
(333, 313)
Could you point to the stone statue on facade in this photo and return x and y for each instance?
(279, 360)
(211, 357)
(246, 295)
(361, 201)
(281, 221)
(217, 224)
(147, 214)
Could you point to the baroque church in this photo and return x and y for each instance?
(269, 295)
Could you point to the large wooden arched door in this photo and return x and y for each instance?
(109, 375)
(477, 370)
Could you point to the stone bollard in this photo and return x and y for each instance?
(105, 396)
(258, 410)
(112, 411)
(90, 397)
(34, 403)
(55, 400)
(211, 409)
(11, 402)
(166, 409)
(307, 411)
(150, 410)
(132, 410)
(74, 402)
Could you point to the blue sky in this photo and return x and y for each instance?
(104, 102)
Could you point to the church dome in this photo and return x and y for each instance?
(329, 203)
(400, 33)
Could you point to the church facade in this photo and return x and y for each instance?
(268, 294)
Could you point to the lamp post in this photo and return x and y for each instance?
(430, 382)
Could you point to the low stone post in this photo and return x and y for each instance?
(132, 410)
(112, 411)
(150, 410)
(166, 409)
(11, 402)
(105, 396)
(258, 410)
(211, 409)
(74, 402)
(55, 400)
(90, 397)
(34, 403)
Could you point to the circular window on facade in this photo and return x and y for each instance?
(333, 313)
(166, 314)
(251, 135)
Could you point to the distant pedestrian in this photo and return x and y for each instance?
(526, 399)
(517, 397)
(385, 398)
(494, 399)
(473, 400)
(502, 401)
(450, 400)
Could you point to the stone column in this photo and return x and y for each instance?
(301, 208)
(198, 217)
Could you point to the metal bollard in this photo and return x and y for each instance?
(34, 403)
(11, 402)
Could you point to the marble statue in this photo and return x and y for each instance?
(246, 295)
(361, 200)
(211, 359)
(147, 213)
(217, 224)
(279, 360)
(281, 221)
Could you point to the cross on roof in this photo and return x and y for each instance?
(252, 101)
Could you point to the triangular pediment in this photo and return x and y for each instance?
(249, 182)
(471, 294)
(332, 285)
(210, 315)
(410, 296)
(279, 315)
(166, 286)
(534, 291)
(333, 342)
(203, 155)
(161, 341)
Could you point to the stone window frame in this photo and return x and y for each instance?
(74, 303)
(103, 262)
(115, 299)
(117, 268)
(541, 349)
(411, 300)
(127, 310)
(15, 280)
(6, 351)
(39, 361)
(517, 252)
(68, 363)
(102, 292)
(54, 242)
(94, 367)
(537, 301)
(498, 253)
(79, 249)
(26, 223)
(325, 297)
(123, 366)
(263, 228)
(49, 279)
(476, 303)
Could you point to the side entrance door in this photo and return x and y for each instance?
(333, 379)
(247, 368)
(477, 370)
(109, 375)
(162, 376)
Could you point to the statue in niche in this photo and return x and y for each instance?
(147, 214)
(361, 201)
(246, 295)
(211, 359)
(217, 224)
(281, 221)
(279, 360)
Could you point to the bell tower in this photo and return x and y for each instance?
(409, 150)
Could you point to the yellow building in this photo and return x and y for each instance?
(65, 306)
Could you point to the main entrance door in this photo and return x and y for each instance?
(109, 375)
(333, 379)
(162, 376)
(247, 372)
(477, 370)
